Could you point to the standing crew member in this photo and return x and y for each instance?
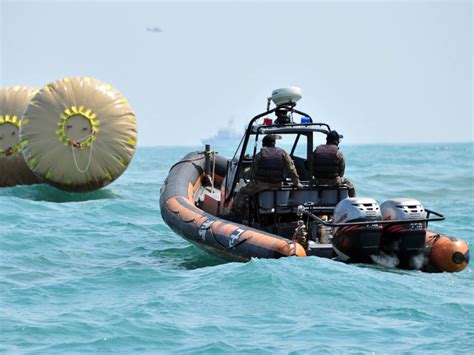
(329, 164)
(269, 168)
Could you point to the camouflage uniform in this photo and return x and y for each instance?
(239, 205)
(340, 179)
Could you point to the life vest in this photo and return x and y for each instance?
(270, 166)
(326, 162)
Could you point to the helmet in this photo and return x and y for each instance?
(269, 140)
(334, 136)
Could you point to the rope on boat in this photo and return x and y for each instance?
(213, 170)
(185, 161)
(217, 241)
(207, 226)
(238, 244)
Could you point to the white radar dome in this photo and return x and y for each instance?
(286, 95)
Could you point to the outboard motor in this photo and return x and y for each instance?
(357, 243)
(406, 241)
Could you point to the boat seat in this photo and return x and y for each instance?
(270, 200)
(330, 197)
(323, 197)
(300, 197)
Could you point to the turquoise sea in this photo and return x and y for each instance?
(102, 272)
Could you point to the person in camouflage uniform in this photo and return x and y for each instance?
(269, 169)
(329, 164)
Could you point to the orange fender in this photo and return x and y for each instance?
(447, 253)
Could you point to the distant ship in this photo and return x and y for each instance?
(223, 137)
(154, 29)
(229, 136)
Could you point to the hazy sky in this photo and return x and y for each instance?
(378, 72)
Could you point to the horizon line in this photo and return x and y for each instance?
(348, 144)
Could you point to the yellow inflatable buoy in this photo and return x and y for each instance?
(13, 169)
(80, 134)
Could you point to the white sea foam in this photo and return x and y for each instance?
(385, 260)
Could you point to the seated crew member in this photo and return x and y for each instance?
(270, 167)
(329, 164)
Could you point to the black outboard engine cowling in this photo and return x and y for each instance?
(357, 243)
(406, 241)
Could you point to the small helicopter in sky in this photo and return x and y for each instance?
(154, 29)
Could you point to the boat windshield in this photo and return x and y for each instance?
(294, 144)
(238, 150)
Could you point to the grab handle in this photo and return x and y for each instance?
(440, 217)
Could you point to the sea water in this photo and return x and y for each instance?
(102, 272)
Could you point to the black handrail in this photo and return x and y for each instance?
(440, 217)
(295, 124)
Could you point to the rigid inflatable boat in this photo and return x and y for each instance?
(309, 220)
